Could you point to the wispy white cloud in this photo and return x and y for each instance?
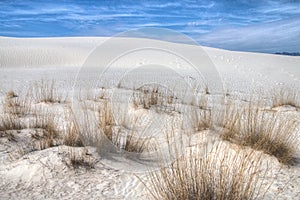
(162, 5)
(280, 7)
(283, 35)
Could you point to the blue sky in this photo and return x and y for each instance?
(244, 25)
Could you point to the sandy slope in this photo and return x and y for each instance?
(246, 70)
(45, 175)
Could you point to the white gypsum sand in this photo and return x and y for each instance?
(54, 107)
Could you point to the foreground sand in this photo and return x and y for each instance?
(47, 173)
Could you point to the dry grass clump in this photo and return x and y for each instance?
(131, 138)
(73, 132)
(200, 88)
(16, 105)
(46, 130)
(106, 119)
(10, 122)
(11, 94)
(83, 127)
(201, 115)
(285, 97)
(201, 174)
(268, 132)
(207, 89)
(8, 125)
(124, 132)
(149, 96)
(136, 144)
(201, 119)
(72, 136)
(146, 98)
(80, 159)
(9, 135)
(47, 92)
(95, 95)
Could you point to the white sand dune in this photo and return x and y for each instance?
(44, 174)
(236, 68)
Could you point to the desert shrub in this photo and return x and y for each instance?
(203, 174)
(271, 133)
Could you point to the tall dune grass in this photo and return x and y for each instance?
(46, 133)
(17, 105)
(130, 136)
(8, 124)
(47, 92)
(122, 132)
(271, 133)
(79, 129)
(203, 174)
(91, 128)
(201, 115)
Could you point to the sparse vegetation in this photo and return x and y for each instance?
(131, 138)
(106, 119)
(195, 172)
(73, 135)
(46, 130)
(79, 159)
(203, 174)
(201, 114)
(11, 94)
(10, 122)
(201, 119)
(146, 97)
(150, 96)
(96, 95)
(47, 92)
(207, 89)
(267, 132)
(16, 105)
(119, 133)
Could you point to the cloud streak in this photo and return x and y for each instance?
(283, 35)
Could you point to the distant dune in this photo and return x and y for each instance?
(288, 53)
(72, 51)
